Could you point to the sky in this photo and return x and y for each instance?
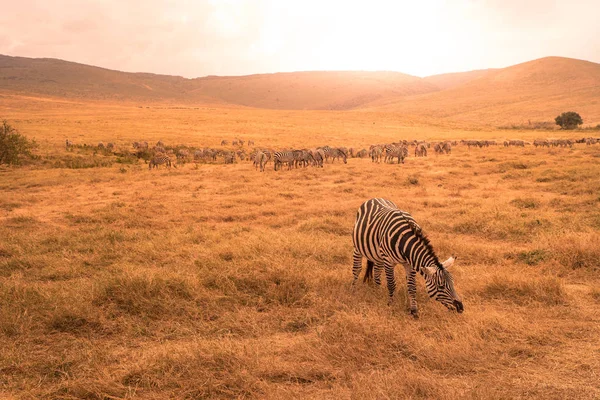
(241, 37)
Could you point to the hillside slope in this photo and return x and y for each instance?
(296, 90)
(536, 90)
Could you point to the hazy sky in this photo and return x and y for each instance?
(229, 37)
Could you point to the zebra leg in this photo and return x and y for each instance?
(411, 286)
(391, 280)
(356, 265)
(377, 273)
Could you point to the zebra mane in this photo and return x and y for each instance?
(418, 232)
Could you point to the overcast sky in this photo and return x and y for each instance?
(229, 37)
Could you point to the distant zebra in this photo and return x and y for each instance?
(447, 147)
(260, 160)
(250, 143)
(387, 236)
(101, 145)
(362, 153)
(399, 152)
(280, 157)
(376, 152)
(68, 143)
(159, 159)
(421, 150)
(338, 153)
(224, 142)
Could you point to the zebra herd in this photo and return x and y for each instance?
(160, 154)
(298, 158)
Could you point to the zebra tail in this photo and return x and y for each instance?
(369, 272)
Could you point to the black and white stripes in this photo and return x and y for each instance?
(387, 236)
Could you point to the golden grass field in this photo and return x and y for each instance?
(217, 281)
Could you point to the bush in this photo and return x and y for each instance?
(13, 145)
(568, 120)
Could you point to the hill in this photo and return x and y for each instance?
(536, 90)
(454, 79)
(295, 90)
(532, 91)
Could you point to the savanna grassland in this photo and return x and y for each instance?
(217, 281)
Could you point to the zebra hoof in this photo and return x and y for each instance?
(415, 314)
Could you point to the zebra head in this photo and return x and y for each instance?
(440, 286)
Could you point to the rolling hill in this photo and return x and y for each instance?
(537, 90)
(337, 90)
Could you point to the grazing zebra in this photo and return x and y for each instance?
(338, 153)
(362, 153)
(318, 157)
(159, 159)
(421, 150)
(400, 152)
(387, 236)
(281, 157)
(260, 160)
(229, 157)
(376, 153)
(447, 147)
(438, 149)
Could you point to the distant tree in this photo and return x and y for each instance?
(568, 120)
(13, 145)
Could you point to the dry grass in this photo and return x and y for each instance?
(222, 282)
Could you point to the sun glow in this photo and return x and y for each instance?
(380, 35)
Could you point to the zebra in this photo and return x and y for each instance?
(250, 143)
(399, 151)
(281, 157)
(260, 159)
(387, 236)
(229, 157)
(376, 153)
(447, 147)
(362, 153)
(68, 143)
(110, 146)
(337, 153)
(318, 157)
(101, 145)
(224, 142)
(421, 150)
(159, 159)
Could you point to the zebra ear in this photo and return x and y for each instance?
(448, 263)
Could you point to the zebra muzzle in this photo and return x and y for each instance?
(459, 306)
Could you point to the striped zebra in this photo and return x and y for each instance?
(280, 157)
(159, 159)
(421, 150)
(376, 151)
(392, 152)
(68, 143)
(337, 153)
(260, 160)
(387, 236)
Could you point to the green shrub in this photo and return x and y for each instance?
(13, 145)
